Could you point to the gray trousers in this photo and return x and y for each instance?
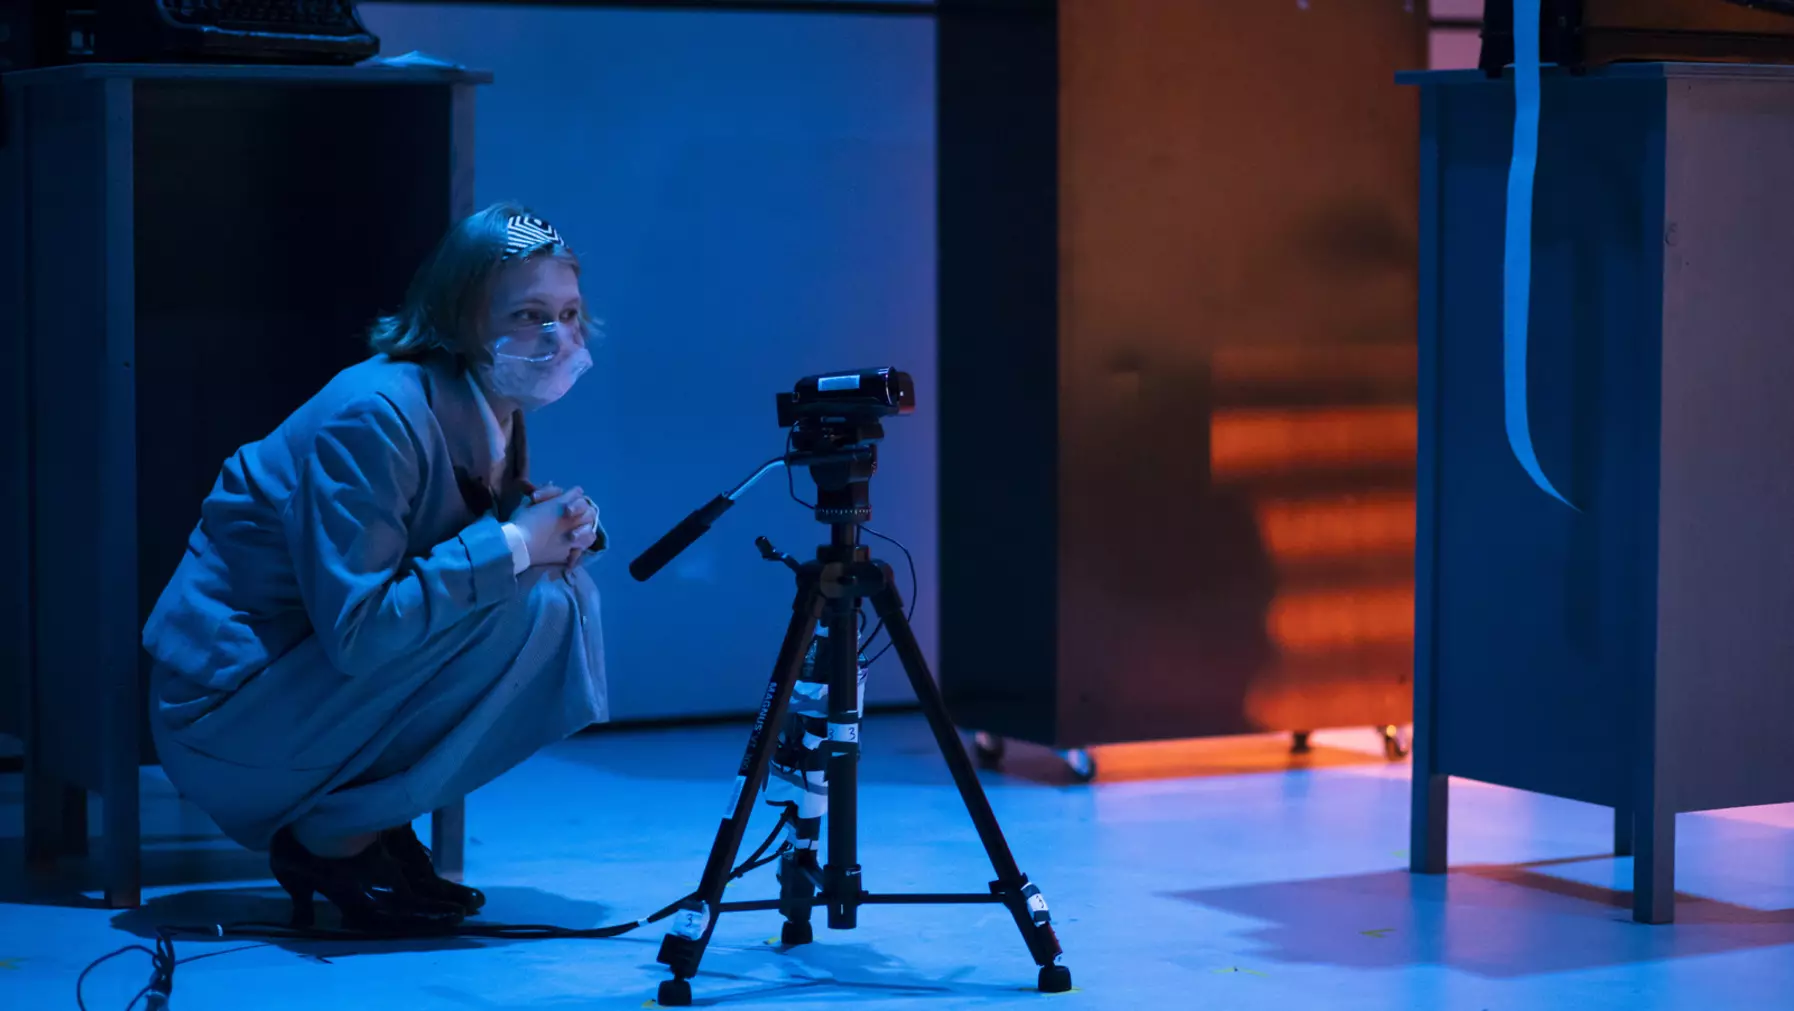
(305, 745)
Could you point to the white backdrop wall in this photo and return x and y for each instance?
(753, 197)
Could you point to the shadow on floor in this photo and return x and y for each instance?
(200, 909)
(817, 975)
(167, 861)
(1497, 922)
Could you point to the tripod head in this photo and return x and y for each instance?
(836, 422)
(841, 458)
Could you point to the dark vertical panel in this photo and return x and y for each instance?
(462, 149)
(71, 329)
(1651, 779)
(998, 130)
(83, 707)
(1428, 838)
(274, 224)
(115, 616)
(1538, 616)
(54, 811)
(15, 390)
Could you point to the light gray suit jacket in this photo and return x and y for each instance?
(366, 520)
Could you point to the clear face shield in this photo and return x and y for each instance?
(538, 342)
(536, 365)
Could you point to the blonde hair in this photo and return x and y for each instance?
(447, 296)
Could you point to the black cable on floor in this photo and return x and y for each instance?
(163, 962)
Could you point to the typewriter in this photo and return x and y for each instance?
(51, 32)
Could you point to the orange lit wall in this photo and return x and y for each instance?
(1179, 262)
(1238, 282)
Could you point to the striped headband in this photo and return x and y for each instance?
(523, 234)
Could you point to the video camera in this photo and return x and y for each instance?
(835, 427)
(848, 397)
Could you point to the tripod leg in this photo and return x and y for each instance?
(683, 947)
(799, 781)
(841, 875)
(799, 878)
(1020, 897)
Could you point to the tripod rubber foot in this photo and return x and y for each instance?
(988, 750)
(677, 992)
(1053, 979)
(793, 934)
(1081, 763)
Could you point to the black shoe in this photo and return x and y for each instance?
(420, 871)
(369, 889)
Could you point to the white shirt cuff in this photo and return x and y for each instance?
(519, 548)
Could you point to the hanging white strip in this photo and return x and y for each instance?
(1517, 264)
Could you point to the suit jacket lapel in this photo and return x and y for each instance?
(517, 456)
(516, 477)
(463, 425)
(463, 421)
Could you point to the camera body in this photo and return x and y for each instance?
(848, 398)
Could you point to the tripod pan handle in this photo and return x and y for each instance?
(678, 539)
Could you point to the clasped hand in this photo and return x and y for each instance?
(558, 526)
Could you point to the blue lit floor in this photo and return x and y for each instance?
(1208, 875)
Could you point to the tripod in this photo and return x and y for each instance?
(830, 591)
